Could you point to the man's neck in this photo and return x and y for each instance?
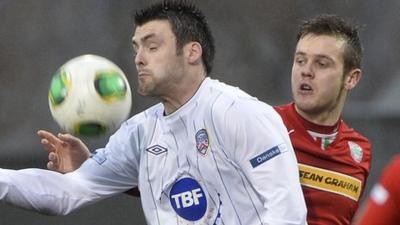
(182, 94)
(326, 118)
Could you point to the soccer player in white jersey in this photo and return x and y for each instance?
(207, 154)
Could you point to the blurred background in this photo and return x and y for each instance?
(255, 42)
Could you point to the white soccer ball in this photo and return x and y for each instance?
(89, 95)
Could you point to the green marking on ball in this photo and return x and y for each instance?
(110, 85)
(59, 87)
(90, 129)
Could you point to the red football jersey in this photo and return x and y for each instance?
(383, 206)
(333, 179)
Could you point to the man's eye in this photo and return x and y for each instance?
(322, 64)
(153, 48)
(300, 61)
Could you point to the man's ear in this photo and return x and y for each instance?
(352, 79)
(193, 52)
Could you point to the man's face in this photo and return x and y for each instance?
(156, 59)
(317, 74)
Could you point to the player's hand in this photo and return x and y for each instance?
(66, 152)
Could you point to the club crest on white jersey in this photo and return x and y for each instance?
(202, 141)
(188, 199)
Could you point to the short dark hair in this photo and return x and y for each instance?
(187, 22)
(333, 25)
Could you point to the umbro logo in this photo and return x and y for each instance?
(156, 149)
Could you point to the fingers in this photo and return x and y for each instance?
(53, 157)
(72, 140)
(48, 146)
(50, 166)
(47, 135)
(48, 139)
(53, 161)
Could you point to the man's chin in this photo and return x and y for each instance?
(143, 93)
(146, 93)
(305, 106)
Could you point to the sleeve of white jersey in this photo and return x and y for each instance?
(54, 193)
(258, 142)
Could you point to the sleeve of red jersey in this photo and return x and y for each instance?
(383, 203)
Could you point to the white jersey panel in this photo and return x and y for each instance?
(227, 148)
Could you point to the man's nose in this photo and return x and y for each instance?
(139, 58)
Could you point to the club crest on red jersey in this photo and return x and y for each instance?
(202, 141)
(356, 151)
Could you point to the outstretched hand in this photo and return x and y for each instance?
(66, 152)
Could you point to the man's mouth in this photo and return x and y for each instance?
(305, 87)
(143, 73)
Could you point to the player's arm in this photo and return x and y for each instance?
(54, 193)
(67, 153)
(264, 153)
(44, 191)
(378, 210)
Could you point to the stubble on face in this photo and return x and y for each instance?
(146, 86)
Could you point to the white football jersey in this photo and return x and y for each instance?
(222, 158)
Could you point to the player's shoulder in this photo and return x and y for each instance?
(137, 125)
(228, 101)
(225, 91)
(284, 107)
(395, 163)
(357, 142)
(228, 95)
(396, 159)
(284, 110)
(389, 177)
(350, 133)
(241, 104)
(145, 116)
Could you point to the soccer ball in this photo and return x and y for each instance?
(89, 95)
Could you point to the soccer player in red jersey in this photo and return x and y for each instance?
(334, 160)
(383, 206)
